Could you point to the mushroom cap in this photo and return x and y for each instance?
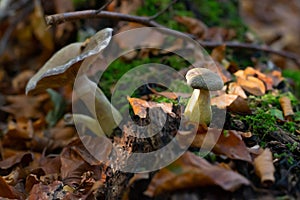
(202, 78)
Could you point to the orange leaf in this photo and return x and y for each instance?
(140, 106)
(264, 167)
(234, 88)
(252, 85)
(223, 100)
(191, 171)
(286, 106)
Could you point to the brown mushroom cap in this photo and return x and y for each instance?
(202, 78)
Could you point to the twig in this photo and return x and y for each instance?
(162, 11)
(148, 21)
(104, 6)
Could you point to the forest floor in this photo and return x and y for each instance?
(255, 129)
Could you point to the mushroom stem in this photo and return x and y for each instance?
(107, 115)
(204, 107)
(198, 108)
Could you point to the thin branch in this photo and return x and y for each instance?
(104, 6)
(163, 10)
(147, 21)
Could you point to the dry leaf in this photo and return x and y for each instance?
(140, 106)
(191, 171)
(264, 167)
(234, 88)
(252, 85)
(229, 143)
(20, 81)
(218, 53)
(195, 26)
(25, 106)
(24, 158)
(7, 191)
(224, 100)
(286, 106)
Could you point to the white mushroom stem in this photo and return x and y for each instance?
(95, 100)
(86, 121)
(198, 108)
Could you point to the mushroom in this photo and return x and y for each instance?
(202, 80)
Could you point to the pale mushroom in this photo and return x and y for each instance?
(202, 80)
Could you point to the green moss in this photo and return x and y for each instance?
(151, 7)
(222, 14)
(295, 76)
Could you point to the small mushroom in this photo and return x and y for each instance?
(202, 80)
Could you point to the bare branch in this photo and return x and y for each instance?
(162, 11)
(148, 21)
(104, 6)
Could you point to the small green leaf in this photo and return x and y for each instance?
(59, 106)
(276, 113)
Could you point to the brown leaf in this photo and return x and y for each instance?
(73, 166)
(194, 26)
(240, 106)
(24, 158)
(191, 171)
(44, 192)
(20, 81)
(99, 147)
(229, 143)
(7, 191)
(264, 167)
(218, 53)
(224, 100)
(24, 106)
(286, 106)
(140, 106)
(252, 85)
(234, 88)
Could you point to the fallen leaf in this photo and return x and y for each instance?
(22, 158)
(140, 106)
(286, 106)
(7, 191)
(20, 81)
(191, 171)
(252, 85)
(229, 143)
(73, 166)
(264, 167)
(42, 191)
(224, 100)
(195, 26)
(24, 106)
(218, 53)
(234, 88)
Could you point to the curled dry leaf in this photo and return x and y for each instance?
(264, 167)
(234, 88)
(62, 67)
(286, 106)
(140, 106)
(191, 171)
(252, 85)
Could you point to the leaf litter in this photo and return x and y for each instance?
(43, 158)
